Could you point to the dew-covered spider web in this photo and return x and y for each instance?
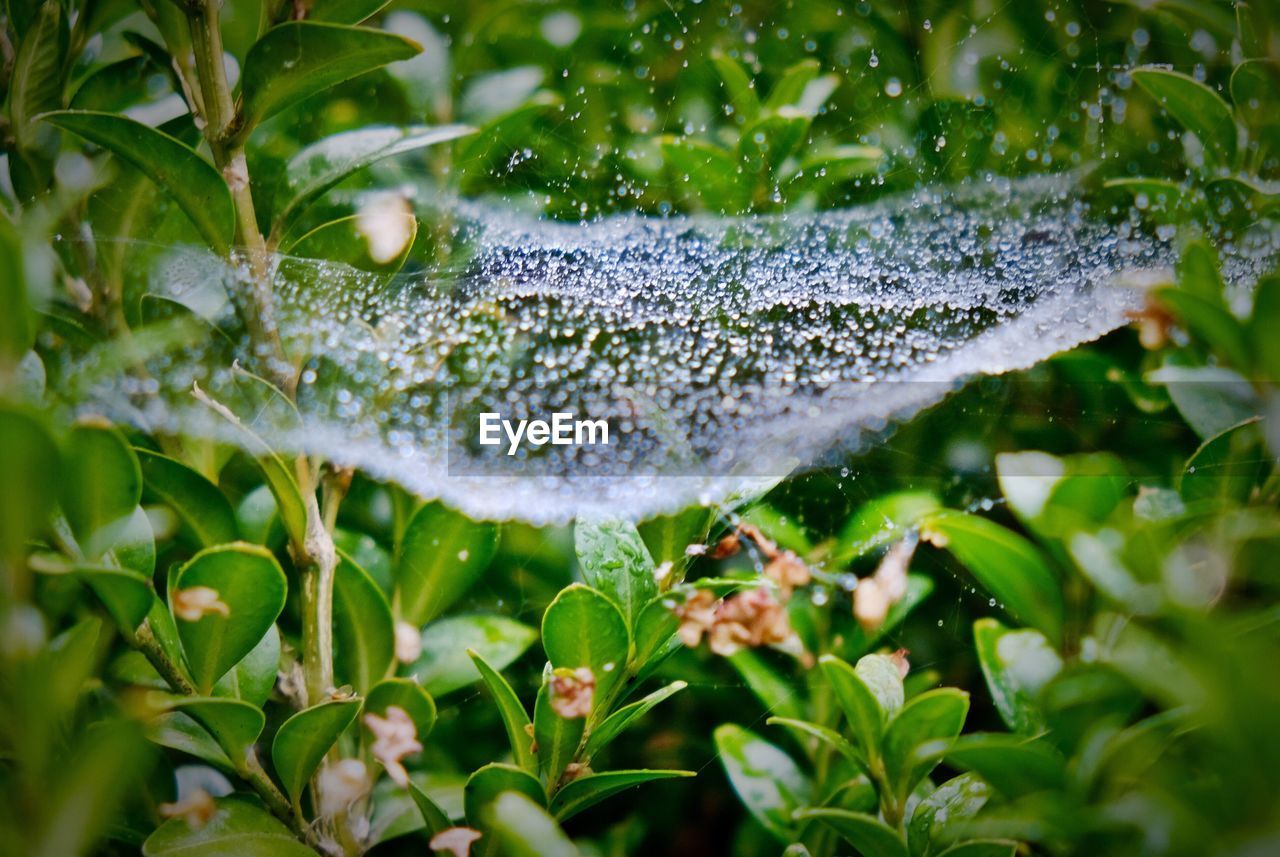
(722, 352)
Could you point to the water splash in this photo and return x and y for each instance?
(723, 352)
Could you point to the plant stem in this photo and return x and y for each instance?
(317, 559)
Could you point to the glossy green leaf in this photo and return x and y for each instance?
(1226, 466)
(363, 629)
(1007, 565)
(557, 738)
(1210, 321)
(345, 11)
(203, 509)
(830, 737)
(101, 485)
(708, 172)
(237, 829)
(325, 163)
(869, 695)
(776, 693)
(347, 241)
(234, 725)
(30, 461)
(1263, 322)
(514, 717)
(1016, 665)
(298, 59)
(179, 732)
(36, 78)
(304, 739)
(193, 183)
(983, 848)
(790, 87)
(769, 141)
(18, 323)
(1253, 89)
(524, 829)
(1012, 765)
(407, 695)
(445, 666)
(116, 86)
(617, 722)
(923, 729)
(615, 561)
(655, 629)
(1196, 107)
(442, 554)
(126, 594)
(249, 581)
(871, 836)
(254, 677)
(765, 778)
(958, 798)
(435, 818)
(882, 521)
(738, 87)
(487, 783)
(582, 628)
(587, 791)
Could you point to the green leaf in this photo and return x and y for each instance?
(249, 581)
(234, 725)
(407, 695)
(869, 695)
(304, 739)
(345, 11)
(582, 628)
(435, 818)
(983, 848)
(344, 241)
(444, 665)
(254, 677)
(656, 627)
(1013, 765)
(923, 729)
(298, 59)
(707, 173)
(830, 737)
(767, 781)
(667, 536)
(738, 86)
(325, 163)
(1010, 567)
(1168, 200)
(617, 722)
(487, 783)
(1253, 30)
(1197, 108)
(32, 473)
(587, 791)
(1253, 89)
(769, 141)
(1210, 321)
(442, 554)
(134, 547)
(787, 91)
(958, 798)
(126, 594)
(204, 511)
(1099, 561)
(858, 641)
(18, 323)
(36, 79)
(177, 731)
(778, 695)
(882, 521)
(514, 717)
(871, 836)
(101, 486)
(524, 829)
(557, 737)
(616, 562)
(363, 629)
(237, 829)
(1226, 466)
(194, 183)
(1016, 665)
(115, 87)
(1263, 322)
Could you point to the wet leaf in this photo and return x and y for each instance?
(617, 722)
(737, 85)
(1196, 107)
(917, 736)
(871, 836)
(766, 779)
(205, 512)
(445, 665)
(957, 798)
(884, 520)
(582, 628)
(869, 694)
(1016, 665)
(442, 554)
(615, 561)
(194, 183)
(298, 59)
